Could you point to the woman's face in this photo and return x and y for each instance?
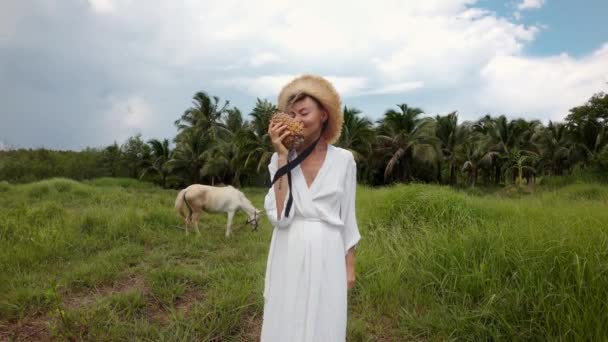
(312, 117)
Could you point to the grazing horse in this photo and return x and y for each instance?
(191, 201)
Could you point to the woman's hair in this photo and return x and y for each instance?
(301, 96)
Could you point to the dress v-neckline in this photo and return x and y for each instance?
(314, 181)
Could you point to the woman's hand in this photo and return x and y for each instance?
(277, 133)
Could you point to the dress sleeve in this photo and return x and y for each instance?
(350, 232)
(270, 202)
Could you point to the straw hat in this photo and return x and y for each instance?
(322, 90)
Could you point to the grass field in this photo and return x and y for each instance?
(106, 260)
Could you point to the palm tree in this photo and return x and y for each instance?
(450, 136)
(199, 128)
(219, 162)
(517, 160)
(112, 159)
(136, 154)
(189, 154)
(404, 138)
(234, 121)
(589, 137)
(471, 153)
(205, 115)
(255, 142)
(506, 135)
(230, 152)
(261, 113)
(602, 159)
(357, 136)
(555, 147)
(161, 154)
(257, 151)
(503, 137)
(588, 124)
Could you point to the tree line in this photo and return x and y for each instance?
(215, 144)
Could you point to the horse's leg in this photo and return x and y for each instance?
(229, 226)
(195, 216)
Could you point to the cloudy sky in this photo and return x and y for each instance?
(78, 73)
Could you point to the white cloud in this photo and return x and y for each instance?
(455, 54)
(517, 15)
(265, 58)
(542, 87)
(269, 86)
(439, 40)
(128, 115)
(451, 48)
(530, 4)
(395, 88)
(262, 86)
(348, 86)
(11, 14)
(397, 34)
(103, 6)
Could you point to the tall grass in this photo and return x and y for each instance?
(106, 260)
(443, 265)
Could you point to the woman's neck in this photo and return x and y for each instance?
(319, 148)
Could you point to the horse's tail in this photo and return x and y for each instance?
(180, 201)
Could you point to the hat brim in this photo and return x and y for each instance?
(322, 90)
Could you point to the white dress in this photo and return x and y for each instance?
(305, 285)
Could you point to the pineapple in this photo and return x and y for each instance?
(296, 127)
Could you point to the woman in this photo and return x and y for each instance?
(311, 261)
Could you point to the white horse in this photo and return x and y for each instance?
(191, 201)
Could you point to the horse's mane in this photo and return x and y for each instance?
(244, 198)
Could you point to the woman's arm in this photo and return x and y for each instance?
(350, 267)
(350, 232)
(274, 202)
(280, 187)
